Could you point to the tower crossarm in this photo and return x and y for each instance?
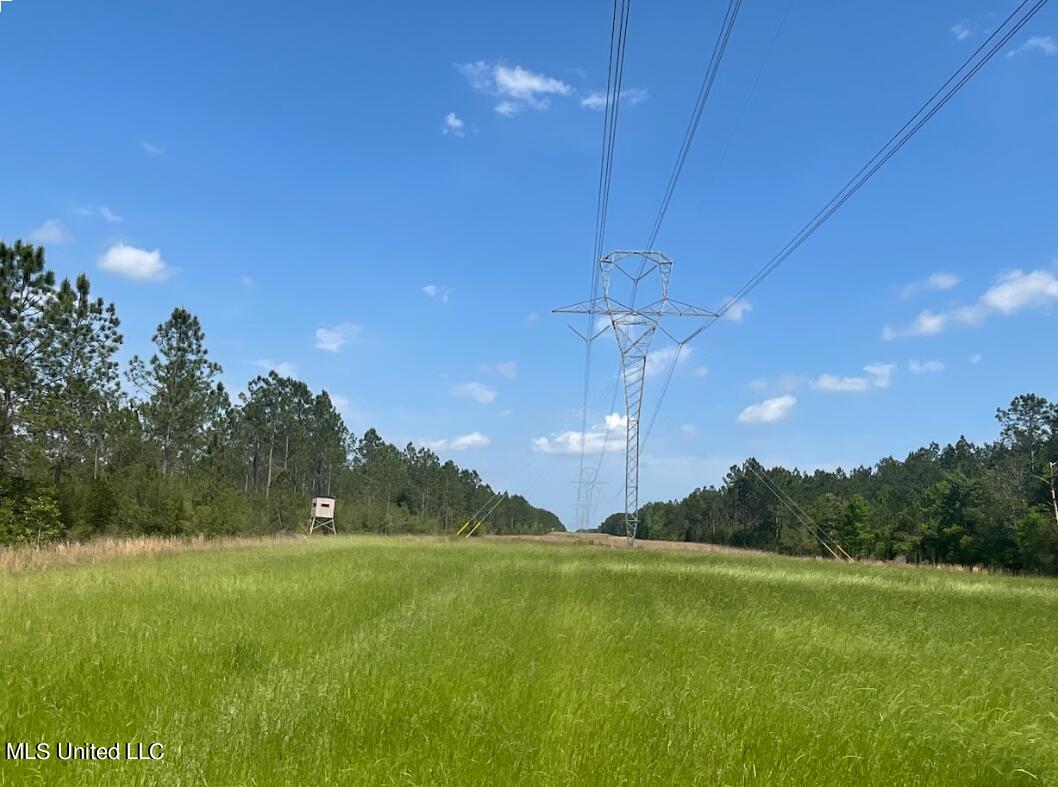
(634, 329)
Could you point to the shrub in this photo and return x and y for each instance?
(29, 513)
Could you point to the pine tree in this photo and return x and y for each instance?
(27, 297)
(83, 386)
(183, 398)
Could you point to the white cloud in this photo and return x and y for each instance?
(689, 429)
(784, 383)
(975, 358)
(769, 411)
(526, 85)
(333, 339)
(738, 310)
(472, 440)
(1016, 290)
(933, 282)
(453, 125)
(660, 360)
(134, 263)
(926, 324)
(597, 100)
(481, 394)
(608, 435)
(830, 383)
(701, 371)
(282, 368)
(961, 32)
(1012, 292)
(151, 149)
(102, 210)
(508, 369)
(438, 291)
(517, 88)
(924, 367)
(507, 108)
(51, 231)
(879, 375)
(464, 442)
(478, 74)
(1043, 44)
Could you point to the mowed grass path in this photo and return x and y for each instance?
(389, 661)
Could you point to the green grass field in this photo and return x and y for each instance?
(364, 660)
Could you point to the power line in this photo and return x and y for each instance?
(614, 81)
(750, 94)
(934, 104)
(634, 331)
(923, 115)
(828, 541)
(614, 98)
(696, 115)
(664, 390)
(719, 48)
(605, 445)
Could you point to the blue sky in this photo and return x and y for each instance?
(388, 199)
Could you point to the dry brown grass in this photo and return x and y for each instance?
(14, 559)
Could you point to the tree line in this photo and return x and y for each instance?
(993, 504)
(162, 448)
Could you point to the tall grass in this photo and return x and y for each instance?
(365, 660)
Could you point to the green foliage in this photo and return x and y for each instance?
(224, 512)
(89, 506)
(69, 414)
(183, 458)
(1036, 541)
(29, 513)
(182, 398)
(27, 332)
(992, 505)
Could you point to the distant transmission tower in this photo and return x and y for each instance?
(585, 494)
(634, 330)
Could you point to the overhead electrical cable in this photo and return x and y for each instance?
(992, 45)
(614, 81)
(828, 541)
(719, 48)
(696, 115)
(923, 115)
(605, 442)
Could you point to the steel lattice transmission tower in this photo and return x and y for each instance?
(634, 329)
